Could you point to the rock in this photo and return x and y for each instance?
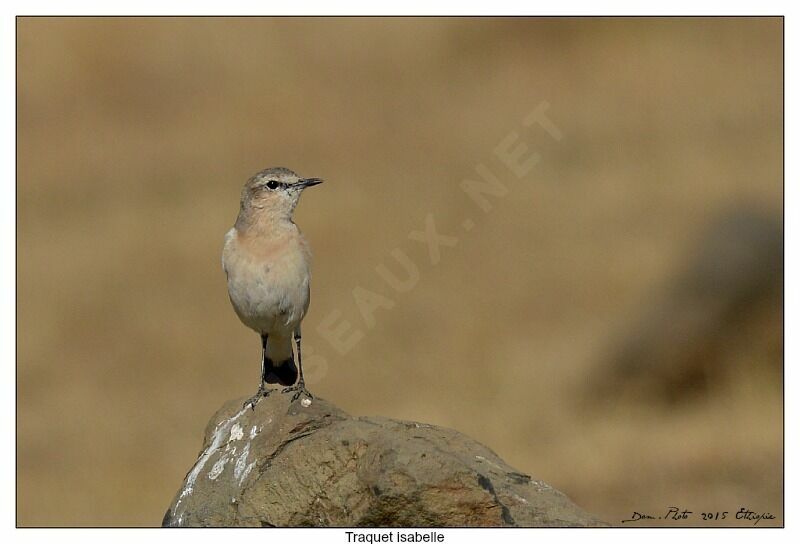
(728, 294)
(286, 464)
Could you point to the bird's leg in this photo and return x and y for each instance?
(263, 359)
(300, 386)
(301, 382)
(262, 391)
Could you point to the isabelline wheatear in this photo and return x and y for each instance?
(267, 262)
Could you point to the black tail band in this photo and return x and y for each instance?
(284, 373)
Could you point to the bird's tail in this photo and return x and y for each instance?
(279, 366)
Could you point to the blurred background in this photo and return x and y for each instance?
(613, 325)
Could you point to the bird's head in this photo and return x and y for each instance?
(274, 192)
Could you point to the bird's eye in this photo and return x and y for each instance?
(272, 185)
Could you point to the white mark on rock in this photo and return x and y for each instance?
(246, 472)
(219, 432)
(218, 467)
(186, 491)
(520, 499)
(485, 460)
(253, 432)
(306, 403)
(241, 463)
(236, 433)
(539, 485)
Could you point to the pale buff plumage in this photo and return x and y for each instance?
(267, 262)
(268, 283)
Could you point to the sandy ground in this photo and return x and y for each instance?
(135, 137)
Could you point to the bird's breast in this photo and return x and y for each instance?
(268, 279)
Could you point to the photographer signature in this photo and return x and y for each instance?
(677, 514)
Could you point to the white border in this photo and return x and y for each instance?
(409, 7)
(467, 7)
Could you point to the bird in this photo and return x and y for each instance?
(267, 264)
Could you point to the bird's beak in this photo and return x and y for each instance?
(309, 182)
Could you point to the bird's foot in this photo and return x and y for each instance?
(299, 389)
(260, 394)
